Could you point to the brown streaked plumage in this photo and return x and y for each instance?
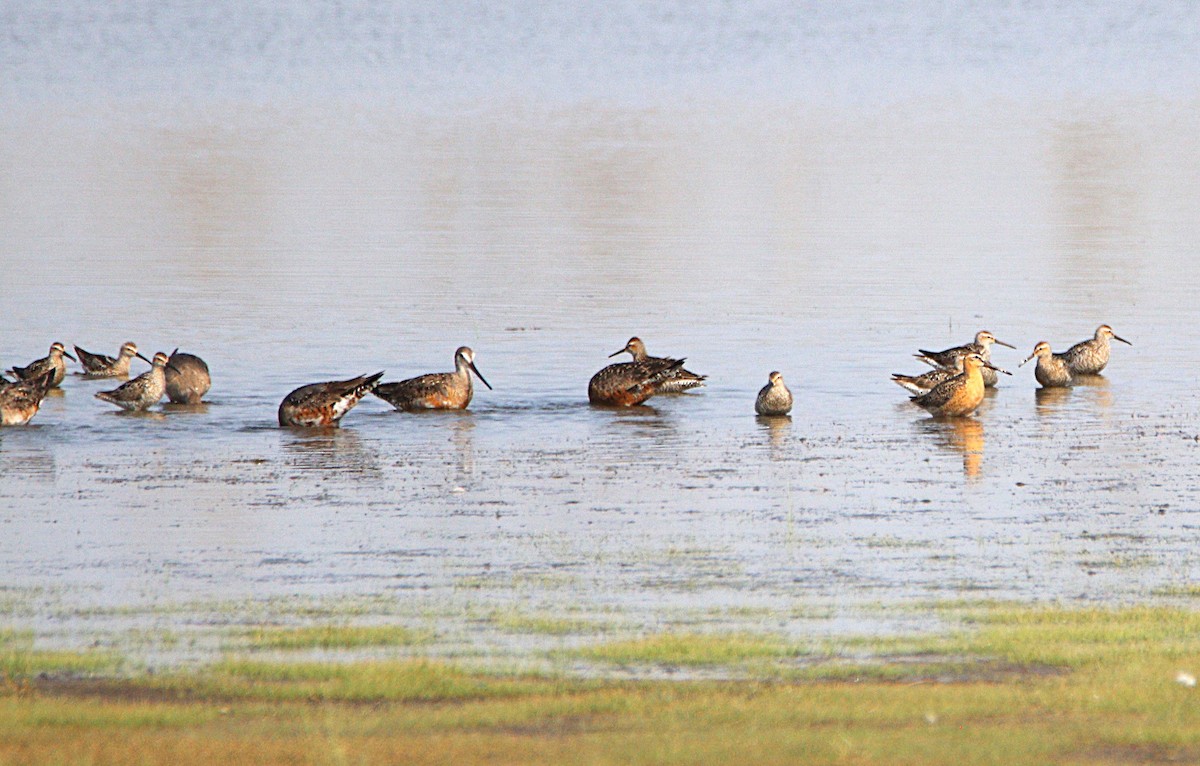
(437, 390)
(20, 401)
(628, 383)
(982, 345)
(52, 362)
(1090, 357)
(1052, 371)
(920, 384)
(144, 391)
(324, 404)
(962, 394)
(102, 366)
(187, 378)
(679, 381)
(774, 398)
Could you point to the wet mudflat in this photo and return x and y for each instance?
(296, 240)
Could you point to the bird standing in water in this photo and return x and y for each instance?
(962, 394)
(54, 361)
(982, 345)
(1052, 371)
(437, 390)
(774, 398)
(102, 366)
(324, 404)
(679, 381)
(1090, 357)
(20, 401)
(144, 391)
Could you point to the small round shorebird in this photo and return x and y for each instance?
(774, 398)
(437, 390)
(144, 391)
(920, 384)
(628, 383)
(324, 404)
(52, 362)
(1052, 371)
(680, 380)
(982, 345)
(1090, 357)
(962, 394)
(20, 401)
(102, 366)
(187, 378)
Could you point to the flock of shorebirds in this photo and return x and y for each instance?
(953, 388)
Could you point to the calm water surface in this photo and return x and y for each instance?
(541, 200)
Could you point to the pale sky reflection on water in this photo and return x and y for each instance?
(289, 236)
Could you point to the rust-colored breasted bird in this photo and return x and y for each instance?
(324, 404)
(628, 383)
(962, 394)
(20, 401)
(437, 390)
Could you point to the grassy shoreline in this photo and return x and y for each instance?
(1014, 684)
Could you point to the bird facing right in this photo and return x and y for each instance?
(53, 361)
(1090, 357)
(144, 391)
(102, 366)
(962, 394)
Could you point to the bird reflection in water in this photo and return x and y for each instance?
(961, 435)
(1097, 387)
(462, 438)
(200, 408)
(329, 449)
(1051, 400)
(777, 429)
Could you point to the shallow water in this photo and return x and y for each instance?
(289, 237)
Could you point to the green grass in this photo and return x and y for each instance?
(691, 649)
(332, 637)
(1003, 684)
(545, 625)
(19, 660)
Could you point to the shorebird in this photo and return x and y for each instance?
(774, 398)
(187, 378)
(982, 345)
(144, 391)
(963, 393)
(52, 362)
(1052, 371)
(628, 383)
(324, 404)
(920, 384)
(680, 380)
(437, 390)
(19, 401)
(101, 366)
(1090, 357)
